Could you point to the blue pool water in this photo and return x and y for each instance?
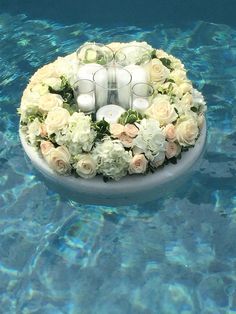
(173, 255)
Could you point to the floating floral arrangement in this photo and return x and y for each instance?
(114, 110)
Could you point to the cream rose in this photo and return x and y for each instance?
(187, 131)
(158, 72)
(56, 120)
(162, 110)
(85, 167)
(170, 133)
(162, 54)
(50, 101)
(200, 121)
(54, 82)
(45, 147)
(116, 129)
(138, 164)
(179, 76)
(59, 159)
(187, 101)
(131, 130)
(172, 150)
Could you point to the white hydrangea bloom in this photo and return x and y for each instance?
(150, 139)
(78, 136)
(34, 130)
(111, 158)
(198, 100)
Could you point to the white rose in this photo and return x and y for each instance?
(179, 76)
(187, 101)
(162, 110)
(59, 159)
(85, 166)
(40, 89)
(172, 150)
(50, 101)
(138, 164)
(200, 121)
(56, 120)
(46, 71)
(162, 54)
(53, 82)
(187, 131)
(158, 72)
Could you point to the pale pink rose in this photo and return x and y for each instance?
(45, 147)
(138, 164)
(126, 140)
(170, 132)
(131, 130)
(43, 130)
(116, 129)
(172, 150)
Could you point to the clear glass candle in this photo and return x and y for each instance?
(94, 53)
(112, 86)
(141, 97)
(85, 95)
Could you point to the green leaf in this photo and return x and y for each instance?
(153, 54)
(166, 62)
(130, 116)
(102, 128)
(194, 109)
(66, 91)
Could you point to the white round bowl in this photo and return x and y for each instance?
(129, 190)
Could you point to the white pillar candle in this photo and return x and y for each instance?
(140, 104)
(139, 74)
(110, 113)
(123, 87)
(86, 103)
(87, 71)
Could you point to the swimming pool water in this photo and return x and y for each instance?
(174, 255)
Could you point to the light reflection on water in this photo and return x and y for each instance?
(174, 255)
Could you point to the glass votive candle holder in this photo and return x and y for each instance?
(112, 86)
(94, 53)
(141, 97)
(136, 60)
(84, 94)
(132, 54)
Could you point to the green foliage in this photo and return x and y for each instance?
(153, 54)
(102, 128)
(66, 91)
(166, 62)
(130, 116)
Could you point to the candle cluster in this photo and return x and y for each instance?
(115, 86)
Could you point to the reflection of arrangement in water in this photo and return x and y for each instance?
(113, 110)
